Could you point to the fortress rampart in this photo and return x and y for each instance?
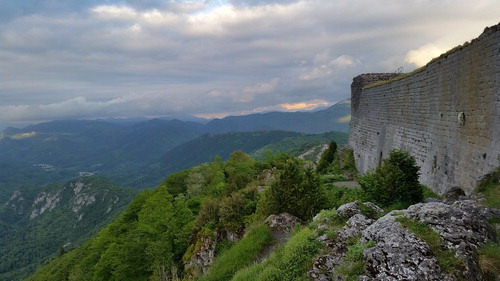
(446, 114)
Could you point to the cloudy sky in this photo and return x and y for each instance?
(127, 58)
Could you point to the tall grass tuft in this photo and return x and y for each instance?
(242, 254)
(289, 262)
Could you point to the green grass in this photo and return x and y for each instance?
(243, 253)
(354, 263)
(428, 193)
(446, 258)
(490, 187)
(489, 261)
(289, 262)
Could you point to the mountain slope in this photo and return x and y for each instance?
(334, 118)
(38, 222)
(205, 149)
(60, 150)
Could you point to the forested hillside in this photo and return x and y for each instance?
(162, 229)
(26, 183)
(208, 223)
(38, 223)
(207, 147)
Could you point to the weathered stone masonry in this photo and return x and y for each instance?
(446, 114)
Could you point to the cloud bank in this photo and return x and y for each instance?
(126, 58)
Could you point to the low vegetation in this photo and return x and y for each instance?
(289, 262)
(242, 254)
(489, 255)
(354, 264)
(490, 188)
(163, 230)
(393, 184)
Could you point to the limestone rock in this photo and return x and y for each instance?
(463, 228)
(203, 257)
(366, 208)
(398, 254)
(282, 223)
(325, 265)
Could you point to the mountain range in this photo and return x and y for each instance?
(57, 179)
(127, 152)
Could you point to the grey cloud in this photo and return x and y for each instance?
(129, 58)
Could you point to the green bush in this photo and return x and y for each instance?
(337, 196)
(328, 160)
(297, 190)
(348, 162)
(395, 182)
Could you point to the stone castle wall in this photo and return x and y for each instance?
(446, 114)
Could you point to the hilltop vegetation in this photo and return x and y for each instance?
(162, 232)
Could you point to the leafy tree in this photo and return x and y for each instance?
(394, 182)
(296, 191)
(348, 161)
(232, 212)
(328, 158)
(240, 170)
(176, 183)
(209, 213)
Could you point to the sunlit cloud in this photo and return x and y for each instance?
(309, 105)
(424, 54)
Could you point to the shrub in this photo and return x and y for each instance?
(297, 191)
(328, 158)
(393, 182)
(348, 162)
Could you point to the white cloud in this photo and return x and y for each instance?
(424, 54)
(115, 12)
(324, 66)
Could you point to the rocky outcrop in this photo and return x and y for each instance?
(400, 254)
(366, 208)
(199, 259)
(281, 225)
(202, 256)
(359, 216)
(45, 201)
